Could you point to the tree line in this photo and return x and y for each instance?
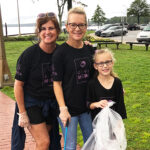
(138, 12)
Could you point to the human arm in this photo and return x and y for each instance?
(99, 104)
(64, 114)
(19, 95)
(121, 109)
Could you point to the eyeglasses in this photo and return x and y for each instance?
(49, 14)
(101, 64)
(74, 26)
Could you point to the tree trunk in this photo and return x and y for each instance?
(69, 4)
(138, 19)
(5, 74)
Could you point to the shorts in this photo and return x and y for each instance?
(40, 111)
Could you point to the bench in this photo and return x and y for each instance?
(131, 44)
(106, 43)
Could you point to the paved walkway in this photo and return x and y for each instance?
(7, 106)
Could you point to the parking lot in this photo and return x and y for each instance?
(129, 37)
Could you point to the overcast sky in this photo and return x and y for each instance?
(29, 10)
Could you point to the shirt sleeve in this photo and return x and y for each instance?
(92, 70)
(57, 62)
(121, 105)
(89, 95)
(22, 67)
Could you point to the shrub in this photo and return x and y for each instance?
(19, 38)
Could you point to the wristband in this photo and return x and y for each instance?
(63, 108)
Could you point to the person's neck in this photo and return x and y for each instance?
(48, 48)
(104, 78)
(75, 44)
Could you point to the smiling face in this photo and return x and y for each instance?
(104, 64)
(76, 26)
(48, 33)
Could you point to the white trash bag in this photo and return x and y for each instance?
(108, 131)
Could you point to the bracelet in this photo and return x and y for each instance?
(63, 108)
(20, 114)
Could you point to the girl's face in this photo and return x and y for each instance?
(104, 64)
(76, 26)
(48, 33)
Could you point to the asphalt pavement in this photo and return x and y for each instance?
(129, 37)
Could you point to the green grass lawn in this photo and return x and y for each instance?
(133, 68)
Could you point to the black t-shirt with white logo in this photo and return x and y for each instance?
(73, 67)
(34, 68)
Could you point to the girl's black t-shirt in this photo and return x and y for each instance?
(96, 92)
(34, 68)
(73, 67)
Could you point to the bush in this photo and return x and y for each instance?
(91, 38)
(19, 38)
(62, 37)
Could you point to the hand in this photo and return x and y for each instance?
(64, 115)
(101, 104)
(24, 120)
(87, 43)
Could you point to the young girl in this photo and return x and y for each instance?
(105, 85)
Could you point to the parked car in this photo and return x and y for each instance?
(134, 26)
(115, 30)
(125, 24)
(103, 28)
(93, 27)
(144, 35)
(142, 26)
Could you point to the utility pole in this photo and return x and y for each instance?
(18, 18)
(5, 74)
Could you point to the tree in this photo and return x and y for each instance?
(138, 8)
(99, 16)
(5, 74)
(69, 3)
(60, 5)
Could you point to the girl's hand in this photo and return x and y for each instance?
(100, 104)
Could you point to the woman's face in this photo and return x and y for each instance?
(48, 33)
(76, 26)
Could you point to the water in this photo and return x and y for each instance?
(15, 30)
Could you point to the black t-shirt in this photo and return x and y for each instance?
(96, 92)
(34, 68)
(73, 67)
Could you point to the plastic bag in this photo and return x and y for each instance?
(108, 131)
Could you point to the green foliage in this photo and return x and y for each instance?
(62, 37)
(99, 16)
(133, 68)
(19, 38)
(138, 8)
(129, 19)
(88, 37)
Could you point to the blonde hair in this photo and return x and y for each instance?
(102, 51)
(77, 10)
